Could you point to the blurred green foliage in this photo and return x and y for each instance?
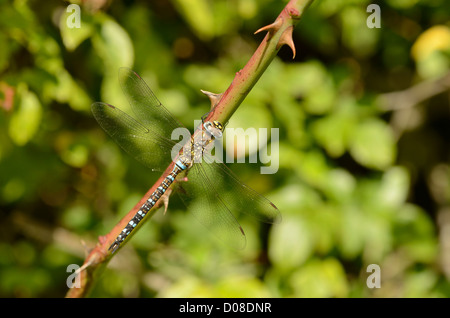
(361, 180)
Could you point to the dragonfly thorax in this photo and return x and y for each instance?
(200, 143)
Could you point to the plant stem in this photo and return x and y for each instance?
(278, 34)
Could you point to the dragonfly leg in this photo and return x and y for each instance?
(204, 117)
(114, 246)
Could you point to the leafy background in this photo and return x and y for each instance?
(364, 173)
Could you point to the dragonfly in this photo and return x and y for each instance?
(211, 191)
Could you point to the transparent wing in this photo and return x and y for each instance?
(146, 107)
(215, 195)
(205, 203)
(240, 198)
(142, 143)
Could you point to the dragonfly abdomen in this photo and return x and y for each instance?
(150, 203)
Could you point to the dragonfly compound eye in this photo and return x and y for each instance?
(218, 125)
(215, 128)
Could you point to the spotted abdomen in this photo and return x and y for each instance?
(145, 208)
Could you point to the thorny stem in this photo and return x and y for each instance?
(278, 34)
(223, 106)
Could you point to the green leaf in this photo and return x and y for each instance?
(351, 235)
(75, 155)
(332, 133)
(394, 187)
(436, 64)
(72, 37)
(26, 120)
(373, 144)
(68, 91)
(290, 243)
(304, 78)
(320, 279)
(188, 286)
(13, 190)
(114, 46)
(312, 166)
(199, 15)
(241, 286)
(76, 217)
(341, 185)
(321, 99)
(355, 33)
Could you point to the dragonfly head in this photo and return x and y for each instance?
(215, 128)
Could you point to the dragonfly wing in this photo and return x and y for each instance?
(145, 145)
(209, 209)
(147, 108)
(240, 198)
